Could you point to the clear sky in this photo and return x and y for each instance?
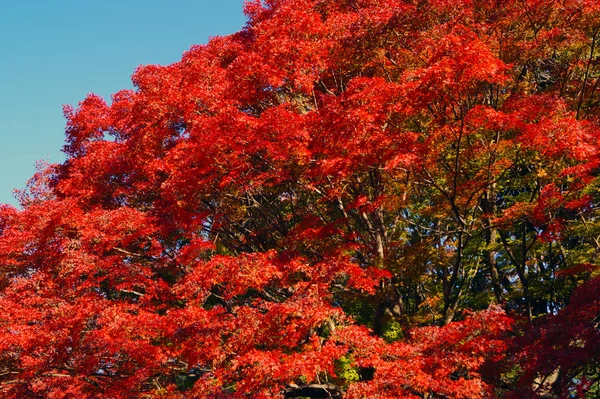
(54, 52)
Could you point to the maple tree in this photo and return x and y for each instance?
(347, 199)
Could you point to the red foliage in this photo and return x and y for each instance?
(250, 220)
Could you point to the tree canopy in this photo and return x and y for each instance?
(345, 199)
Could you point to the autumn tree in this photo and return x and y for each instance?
(346, 199)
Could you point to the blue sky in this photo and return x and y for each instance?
(55, 52)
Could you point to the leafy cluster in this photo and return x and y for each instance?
(346, 199)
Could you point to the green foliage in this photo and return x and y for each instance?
(392, 331)
(345, 370)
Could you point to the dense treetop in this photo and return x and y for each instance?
(347, 199)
